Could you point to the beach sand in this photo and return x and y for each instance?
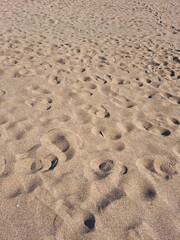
(89, 120)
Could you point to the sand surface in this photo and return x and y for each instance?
(89, 120)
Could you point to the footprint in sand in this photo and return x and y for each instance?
(61, 144)
(101, 80)
(153, 128)
(39, 102)
(173, 121)
(106, 175)
(107, 91)
(120, 81)
(107, 132)
(124, 102)
(151, 94)
(18, 129)
(54, 79)
(140, 189)
(38, 89)
(163, 168)
(46, 165)
(83, 116)
(102, 167)
(110, 138)
(32, 164)
(9, 190)
(171, 98)
(116, 98)
(97, 110)
(54, 117)
(85, 85)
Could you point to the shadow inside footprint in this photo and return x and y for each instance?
(175, 121)
(61, 142)
(150, 194)
(53, 163)
(165, 133)
(89, 222)
(105, 169)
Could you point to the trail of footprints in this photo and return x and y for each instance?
(48, 161)
(56, 147)
(45, 163)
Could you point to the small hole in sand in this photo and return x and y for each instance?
(166, 133)
(90, 222)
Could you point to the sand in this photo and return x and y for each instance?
(89, 120)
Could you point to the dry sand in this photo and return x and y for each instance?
(89, 120)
